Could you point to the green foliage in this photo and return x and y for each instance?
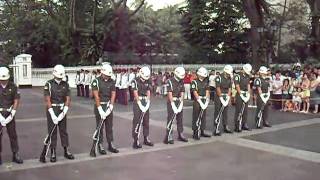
(215, 28)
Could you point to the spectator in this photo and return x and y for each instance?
(314, 93)
(286, 94)
(296, 99)
(212, 84)
(159, 83)
(276, 85)
(305, 85)
(78, 84)
(86, 83)
(187, 82)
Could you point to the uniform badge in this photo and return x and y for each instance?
(94, 84)
(237, 78)
(133, 85)
(193, 86)
(46, 87)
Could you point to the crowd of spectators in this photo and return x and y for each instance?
(296, 89)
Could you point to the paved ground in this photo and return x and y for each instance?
(288, 150)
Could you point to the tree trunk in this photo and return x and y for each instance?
(253, 10)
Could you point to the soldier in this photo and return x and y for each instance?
(141, 91)
(242, 84)
(57, 97)
(222, 99)
(201, 93)
(104, 92)
(175, 105)
(263, 89)
(9, 101)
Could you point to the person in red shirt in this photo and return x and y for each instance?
(187, 81)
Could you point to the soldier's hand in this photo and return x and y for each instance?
(53, 116)
(102, 114)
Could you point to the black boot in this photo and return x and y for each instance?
(101, 149)
(147, 141)
(196, 135)
(203, 134)
(182, 138)
(245, 127)
(53, 157)
(266, 124)
(111, 148)
(136, 144)
(16, 158)
(68, 154)
(227, 130)
(168, 140)
(0, 160)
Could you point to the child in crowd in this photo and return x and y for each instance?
(296, 99)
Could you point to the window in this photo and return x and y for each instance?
(25, 71)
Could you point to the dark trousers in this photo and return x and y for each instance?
(212, 91)
(78, 90)
(136, 120)
(179, 117)
(131, 94)
(62, 129)
(196, 114)
(82, 90)
(123, 96)
(239, 106)
(11, 130)
(87, 90)
(217, 107)
(108, 124)
(277, 104)
(265, 113)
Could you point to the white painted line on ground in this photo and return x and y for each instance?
(276, 149)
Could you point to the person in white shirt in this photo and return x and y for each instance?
(276, 85)
(123, 87)
(87, 82)
(212, 83)
(77, 82)
(81, 82)
(132, 75)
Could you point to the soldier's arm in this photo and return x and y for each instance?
(47, 95)
(207, 93)
(195, 94)
(67, 101)
(170, 97)
(113, 97)
(96, 97)
(48, 101)
(218, 90)
(238, 88)
(148, 94)
(16, 100)
(229, 92)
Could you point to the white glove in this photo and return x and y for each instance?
(109, 110)
(2, 120)
(63, 113)
(207, 103)
(147, 105)
(265, 97)
(174, 108)
(180, 106)
(141, 107)
(224, 101)
(245, 96)
(54, 118)
(201, 104)
(103, 115)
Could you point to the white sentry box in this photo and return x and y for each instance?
(22, 70)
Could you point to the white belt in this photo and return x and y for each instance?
(242, 92)
(5, 109)
(143, 97)
(203, 97)
(103, 103)
(57, 105)
(175, 98)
